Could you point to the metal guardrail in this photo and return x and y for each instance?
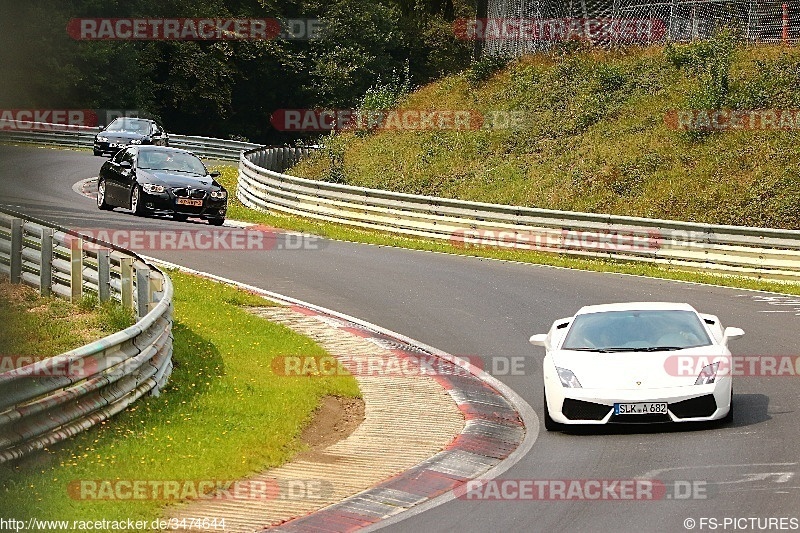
(46, 401)
(211, 148)
(747, 251)
(83, 137)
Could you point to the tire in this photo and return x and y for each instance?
(97, 152)
(180, 217)
(216, 221)
(101, 196)
(136, 204)
(549, 423)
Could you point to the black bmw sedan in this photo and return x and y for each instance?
(156, 179)
(125, 131)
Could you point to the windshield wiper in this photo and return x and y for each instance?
(646, 349)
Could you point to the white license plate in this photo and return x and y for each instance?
(187, 201)
(645, 408)
(115, 145)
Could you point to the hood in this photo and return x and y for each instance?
(622, 370)
(178, 179)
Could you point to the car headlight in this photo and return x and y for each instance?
(151, 188)
(219, 195)
(568, 379)
(102, 139)
(708, 375)
(136, 141)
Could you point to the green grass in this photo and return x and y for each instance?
(223, 415)
(237, 211)
(595, 138)
(38, 327)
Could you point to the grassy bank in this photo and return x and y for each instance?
(223, 415)
(595, 139)
(36, 327)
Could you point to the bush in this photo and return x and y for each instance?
(483, 69)
(710, 61)
(382, 96)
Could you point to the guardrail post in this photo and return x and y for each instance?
(156, 286)
(46, 270)
(126, 281)
(103, 275)
(16, 250)
(76, 269)
(142, 291)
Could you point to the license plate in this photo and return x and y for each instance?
(187, 201)
(646, 408)
(115, 145)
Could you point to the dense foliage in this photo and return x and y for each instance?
(225, 88)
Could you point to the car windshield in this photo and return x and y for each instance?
(171, 161)
(616, 331)
(130, 125)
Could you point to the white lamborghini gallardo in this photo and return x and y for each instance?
(627, 363)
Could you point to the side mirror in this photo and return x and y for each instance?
(538, 339)
(215, 173)
(101, 127)
(732, 334)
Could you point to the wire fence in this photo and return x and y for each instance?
(517, 27)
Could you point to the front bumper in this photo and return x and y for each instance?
(694, 403)
(167, 203)
(109, 147)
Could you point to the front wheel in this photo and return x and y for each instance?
(180, 217)
(101, 196)
(97, 152)
(136, 201)
(216, 221)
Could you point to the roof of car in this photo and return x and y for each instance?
(636, 306)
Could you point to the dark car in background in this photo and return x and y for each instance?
(160, 180)
(125, 131)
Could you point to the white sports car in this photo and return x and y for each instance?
(636, 363)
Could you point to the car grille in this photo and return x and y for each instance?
(695, 407)
(185, 192)
(580, 410)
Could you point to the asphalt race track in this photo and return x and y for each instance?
(469, 306)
